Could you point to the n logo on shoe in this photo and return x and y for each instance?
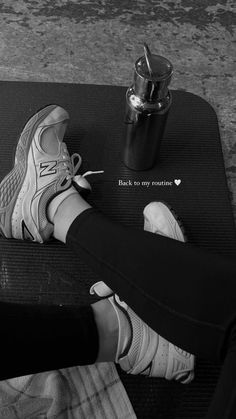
(47, 168)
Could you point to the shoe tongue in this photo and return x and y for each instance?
(49, 141)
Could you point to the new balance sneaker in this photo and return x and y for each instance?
(161, 219)
(42, 170)
(145, 352)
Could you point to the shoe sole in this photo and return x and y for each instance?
(16, 178)
(177, 219)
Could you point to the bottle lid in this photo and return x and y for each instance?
(152, 76)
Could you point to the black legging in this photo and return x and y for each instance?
(188, 296)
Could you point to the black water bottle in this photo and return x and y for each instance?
(148, 101)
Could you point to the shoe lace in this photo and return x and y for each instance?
(71, 164)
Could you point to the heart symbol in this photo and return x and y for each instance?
(177, 181)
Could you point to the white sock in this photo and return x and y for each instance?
(56, 202)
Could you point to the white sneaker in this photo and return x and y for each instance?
(42, 170)
(161, 219)
(147, 353)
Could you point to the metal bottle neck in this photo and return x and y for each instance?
(153, 86)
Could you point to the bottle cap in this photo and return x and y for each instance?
(152, 76)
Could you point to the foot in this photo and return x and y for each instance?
(145, 352)
(161, 219)
(42, 170)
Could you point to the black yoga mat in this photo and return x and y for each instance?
(189, 175)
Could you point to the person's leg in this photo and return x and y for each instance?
(36, 338)
(223, 405)
(187, 295)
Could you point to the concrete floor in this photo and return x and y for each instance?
(98, 41)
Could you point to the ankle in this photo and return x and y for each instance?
(124, 327)
(63, 210)
(108, 330)
(57, 201)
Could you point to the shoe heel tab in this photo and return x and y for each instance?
(101, 290)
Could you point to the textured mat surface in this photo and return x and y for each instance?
(189, 175)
